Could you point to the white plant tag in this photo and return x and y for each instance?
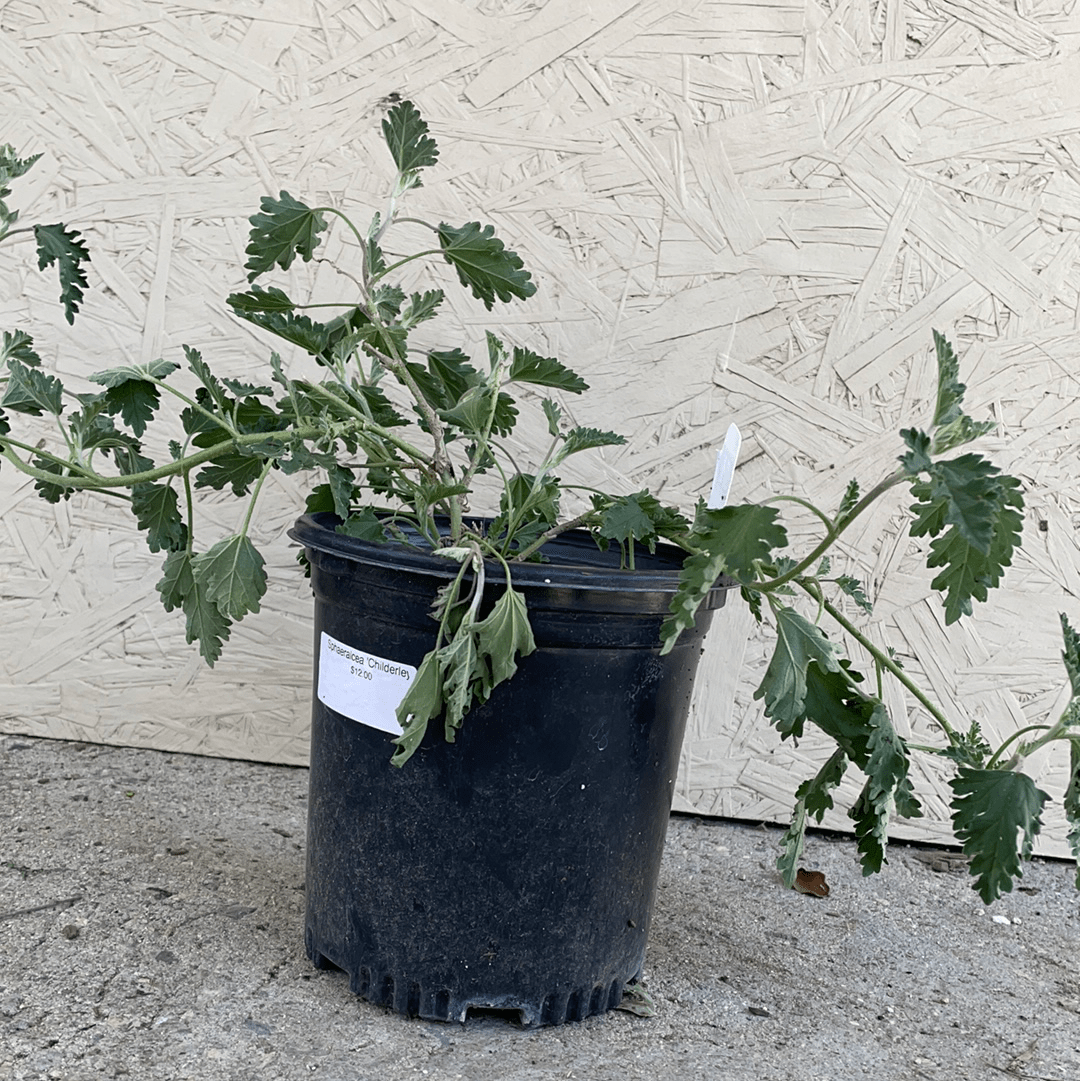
(361, 686)
(726, 460)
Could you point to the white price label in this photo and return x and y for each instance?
(726, 460)
(361, 686)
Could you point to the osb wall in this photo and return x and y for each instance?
(748, 211)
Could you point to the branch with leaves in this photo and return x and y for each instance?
(390, 473)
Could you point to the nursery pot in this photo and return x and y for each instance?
(516, 868)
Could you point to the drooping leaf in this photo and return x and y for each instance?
(484, 264)
(423, 702)
(529, 367)
(996, 815)
(886, 770)
(51, 493)
(811, 798)
(18, 345)
(156, 509)
(177, 580)
(30, 390)
(205, 623)
(406, 134)
(60, 245)
(284, 229)
(504, 635)
(342, 489)
(798, 642)
(232, 575)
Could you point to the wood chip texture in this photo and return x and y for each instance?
(736, 211)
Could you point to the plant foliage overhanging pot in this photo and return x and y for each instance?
(400, 435)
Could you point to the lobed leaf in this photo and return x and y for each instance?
(784, 687)
(406, 134)
(484, 264)
(18, 345)
(284, 229)
(996, 816)
(62, 246)
(231, 574)
(529, 367)
(32, 391)
(157, 511)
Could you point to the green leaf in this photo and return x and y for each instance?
(811, 798)
(1071, 653)
(297, 329)
(996, 817)
(1071, 803)
(528, 367)
(483, 263)
(342, 488)
(206, 624)
(503, 636)
(157, 511)
(579, 439)
(454, 372)
(423, 701)
(978, 505)
(854, 589)
(886, 769)
(406, 134)
(632, 517)
(232, 574)
(798, 642)
(258, 299)
(364, 524)
(460, 661)
(60, 245)
(421, 307)
(177, 580)
(238, 470)
(733, 540)
(791, 845)
(18, 345)
(952, 427)
(285, 228)
(51, 493)
(30, 390)
(849, 502)
(917, 460)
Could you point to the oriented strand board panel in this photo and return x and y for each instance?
(736, 210)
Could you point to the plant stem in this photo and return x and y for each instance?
(833, 530)
(882, 658)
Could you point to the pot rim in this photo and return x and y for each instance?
(574, 561)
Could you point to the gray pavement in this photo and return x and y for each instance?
(151, 927)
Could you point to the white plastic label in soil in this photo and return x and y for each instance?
(361, 686)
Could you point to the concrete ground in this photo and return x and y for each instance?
(151, 927)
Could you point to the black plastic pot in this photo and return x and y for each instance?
(515, 869)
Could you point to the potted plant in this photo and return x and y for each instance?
(552, 630)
